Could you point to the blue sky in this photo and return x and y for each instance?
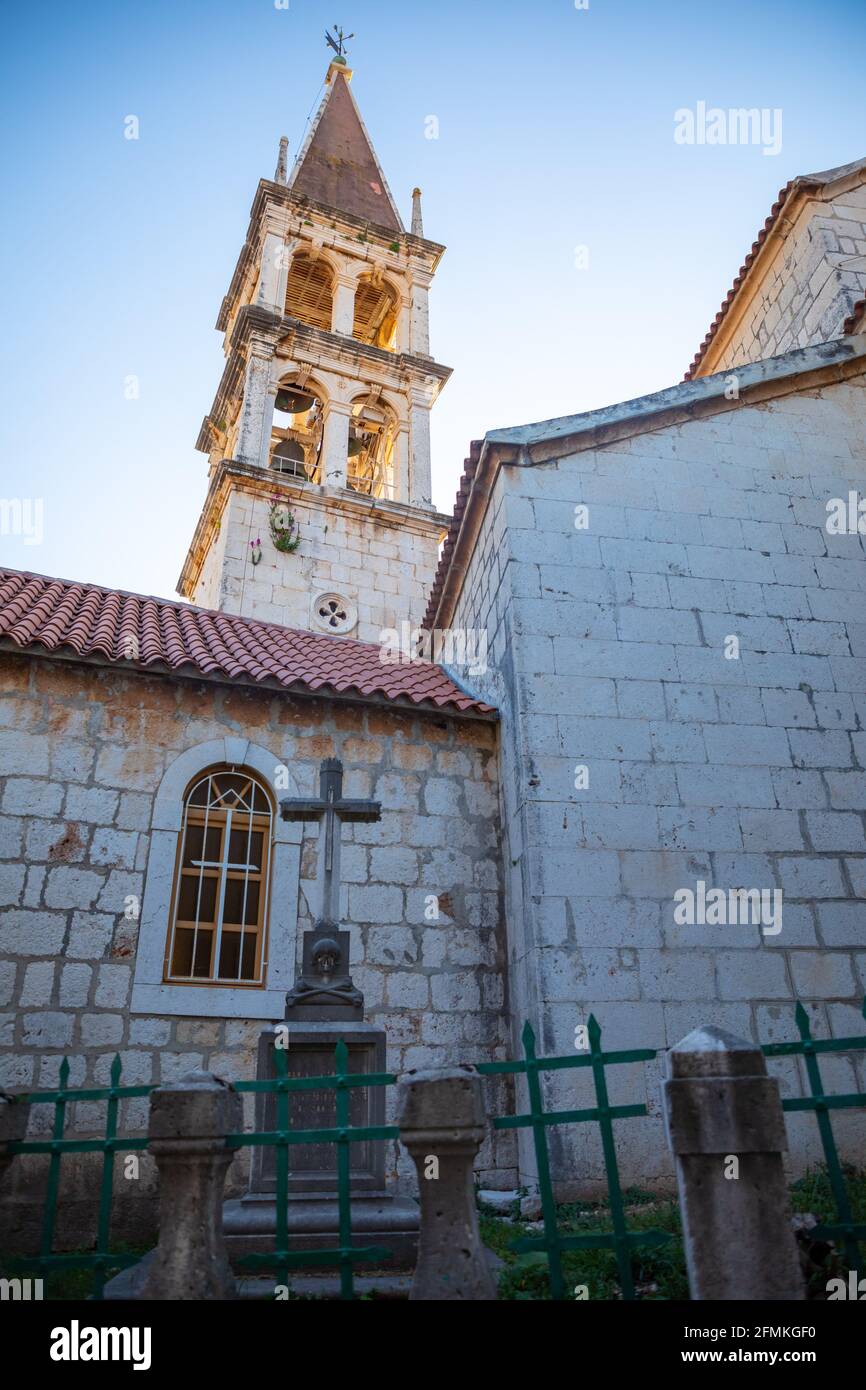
(555, 131)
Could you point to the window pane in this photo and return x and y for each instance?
(248, 969)
(201, 969)
(242, 843)
(229, 953)
(182, 961)
(195, 844)
(234, 902)
(183, 944)
(199, 795)
(189, 898)
(230, 785)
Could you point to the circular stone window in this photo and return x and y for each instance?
(334, 613)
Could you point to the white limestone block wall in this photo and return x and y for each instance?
(93, 768)
(382, 566)
(807, 289)
(645, 760)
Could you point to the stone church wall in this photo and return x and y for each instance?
(609, 647)
(382, 564)
(806, 290)
(82, 751)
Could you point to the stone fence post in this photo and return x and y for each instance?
(442, 1124)
(189, 1120)
(726, 1130)
(14, 1115)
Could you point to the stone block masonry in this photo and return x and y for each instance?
(806, 281)
(378, 556)
(421, 889)
(643, 751)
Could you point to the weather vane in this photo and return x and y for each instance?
(338, 40)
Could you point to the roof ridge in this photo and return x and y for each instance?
(800, 183)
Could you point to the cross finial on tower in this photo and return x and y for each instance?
(338, 41)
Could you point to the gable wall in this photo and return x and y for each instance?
(806, 289)
(743, 773)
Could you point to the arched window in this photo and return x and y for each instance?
(220, 897)
(375, 313)
(309, 292)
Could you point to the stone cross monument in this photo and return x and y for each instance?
(322, 1008)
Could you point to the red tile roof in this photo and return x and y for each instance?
(37, 612)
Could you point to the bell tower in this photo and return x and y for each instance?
(318, 513)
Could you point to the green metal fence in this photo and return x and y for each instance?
(620, 1239)
(100, 1260)
(845, 1227)
(344, 1255)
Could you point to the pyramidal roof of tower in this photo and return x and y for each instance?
(337, 164)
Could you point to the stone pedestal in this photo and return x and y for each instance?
(313, 1216)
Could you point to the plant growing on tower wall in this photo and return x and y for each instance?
(283, 527)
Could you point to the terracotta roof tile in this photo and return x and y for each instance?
(57, 614)
(803, 183)
(744, 270)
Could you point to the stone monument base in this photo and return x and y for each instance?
(391, 1223)
(250, 1222)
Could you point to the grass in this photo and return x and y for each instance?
(73, 1285)
(659, 1271)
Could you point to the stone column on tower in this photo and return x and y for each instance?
(335, 448)
(257, 411)
(420, 484)
(343, 318)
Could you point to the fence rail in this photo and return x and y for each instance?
(821, 1104)
(344, 1255)
(621, 1240)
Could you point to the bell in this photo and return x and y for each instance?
(356, 445)
(293, 401)
(289, 449)
(288, 457)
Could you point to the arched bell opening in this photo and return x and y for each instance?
(310, 291)
(372, 439)
(376, 310)
(296, 432)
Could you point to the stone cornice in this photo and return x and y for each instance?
(316, 342)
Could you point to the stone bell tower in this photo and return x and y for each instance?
(318, 513)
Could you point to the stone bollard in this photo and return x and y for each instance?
(189, 1120)
(442, 1124)
(14, 1115)
(726, 1130)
